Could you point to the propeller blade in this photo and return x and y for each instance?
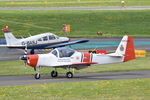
(26, 50)
(24, 58)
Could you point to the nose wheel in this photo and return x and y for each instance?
(69, 74)
(37, 76)
(54, 73)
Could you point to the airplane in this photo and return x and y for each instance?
(40, 41)
(67, 58)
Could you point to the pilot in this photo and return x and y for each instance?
(5, 29)
(65, 54)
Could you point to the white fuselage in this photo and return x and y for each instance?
(41, 39)
(50, 60)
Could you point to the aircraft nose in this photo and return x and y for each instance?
(32, 60)
(67, 39)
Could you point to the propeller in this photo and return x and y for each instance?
(26, 50)
(25, 58)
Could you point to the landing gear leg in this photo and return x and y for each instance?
(54, 73)
(37, 74)
(32, 51)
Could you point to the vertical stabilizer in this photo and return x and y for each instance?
(126, 48)
(130, 51)
(10, 39)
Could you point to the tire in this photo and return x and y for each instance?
(37, 76)
(69, 75)
(54, 74)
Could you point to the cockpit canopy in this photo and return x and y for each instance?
(63, 52)
(49, 36)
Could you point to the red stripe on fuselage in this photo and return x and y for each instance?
(86, 57)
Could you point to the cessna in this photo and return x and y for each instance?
(64, 57)
(41, 41)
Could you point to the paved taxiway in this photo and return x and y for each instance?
(21, 80)
(7, 54)
(78, 8)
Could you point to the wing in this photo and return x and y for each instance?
(65, 44)
(13, 46)
(78, 65)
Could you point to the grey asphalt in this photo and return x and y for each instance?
(22, 80)
(78, 8)
(7, 54)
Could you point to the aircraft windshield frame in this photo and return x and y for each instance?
(54, 52)
(64, 52)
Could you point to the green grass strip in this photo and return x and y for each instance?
(71, 3)
(129, 89)
(83, 23)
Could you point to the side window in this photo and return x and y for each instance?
(55, 53)
(51, 37)
(45, 38)
(39, 39)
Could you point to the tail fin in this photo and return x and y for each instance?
(126, 48)
(10, 39)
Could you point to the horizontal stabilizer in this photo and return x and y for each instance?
(115, 55)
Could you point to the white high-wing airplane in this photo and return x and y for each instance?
(41, 41)
(68, 58)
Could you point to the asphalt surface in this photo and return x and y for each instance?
(7, 54)
(21, 80)
(78, 8)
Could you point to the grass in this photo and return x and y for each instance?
(83, 23)
(18, 68)
(135, 89)
(70, 3)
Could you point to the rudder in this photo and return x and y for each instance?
(130, 51)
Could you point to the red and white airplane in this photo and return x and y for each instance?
(68, 58)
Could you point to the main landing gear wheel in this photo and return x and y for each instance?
(37, 76)
(32, 52)
(69, 74)
(54, 74)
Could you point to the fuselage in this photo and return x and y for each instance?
(64, 57)
(41, 39)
